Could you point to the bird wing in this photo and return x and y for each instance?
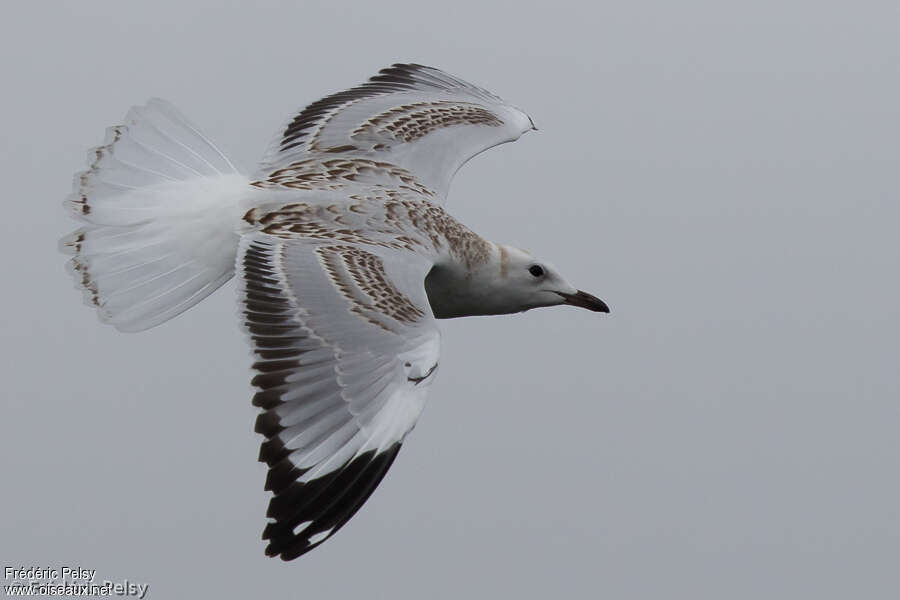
(417, 118)
(346, 347)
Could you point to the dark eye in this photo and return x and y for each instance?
(536, 270)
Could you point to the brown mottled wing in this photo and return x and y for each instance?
(345, 347)
(417, 118)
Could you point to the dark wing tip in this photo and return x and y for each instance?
(399, 77)
(322, 506)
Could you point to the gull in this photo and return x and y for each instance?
(344, 257)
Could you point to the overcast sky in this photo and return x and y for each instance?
(725, 175)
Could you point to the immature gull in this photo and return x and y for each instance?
(344, 257)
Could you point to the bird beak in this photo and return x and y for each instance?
(585, 300)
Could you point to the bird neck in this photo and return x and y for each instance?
(459, 289)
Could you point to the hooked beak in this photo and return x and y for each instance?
(585, 300)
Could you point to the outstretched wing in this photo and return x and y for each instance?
(346, 347)
(411, 116)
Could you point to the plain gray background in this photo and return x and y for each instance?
(725, 175)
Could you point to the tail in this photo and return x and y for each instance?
(160, 204)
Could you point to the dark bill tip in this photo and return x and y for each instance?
(585, 300)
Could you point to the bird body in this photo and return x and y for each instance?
(345, 258)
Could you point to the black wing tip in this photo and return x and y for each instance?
(289, 554)
(267, 399)
(401, 76)
(409, 67)
(282, 474)
(272, 451)
(398, 77)
(326, 504)
(268, 423)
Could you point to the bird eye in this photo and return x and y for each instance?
(536, 270)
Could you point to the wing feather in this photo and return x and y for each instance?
(338, 375)
(410, 116)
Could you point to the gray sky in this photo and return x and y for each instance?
(724, 175)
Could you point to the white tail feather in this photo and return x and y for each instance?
(160, 204)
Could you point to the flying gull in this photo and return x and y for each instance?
(344, 257)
